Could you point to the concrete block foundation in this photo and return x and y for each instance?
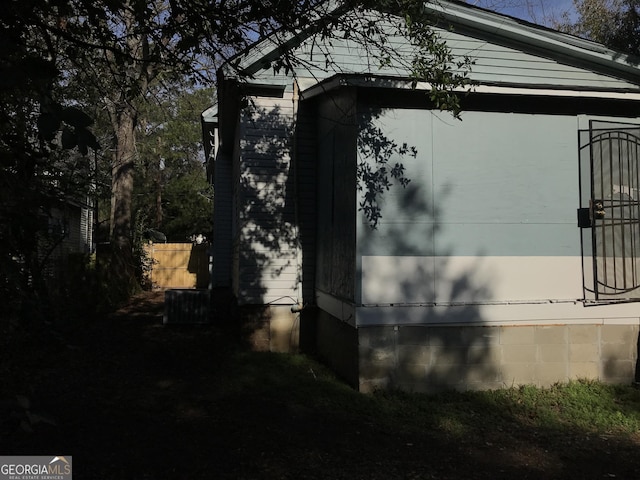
(430, 359)
(425, 358)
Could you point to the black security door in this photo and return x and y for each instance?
(610, 213)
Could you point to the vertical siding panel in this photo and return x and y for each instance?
(336, 195)
(306, 178)
(222, 223)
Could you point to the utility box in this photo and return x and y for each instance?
(187, 306)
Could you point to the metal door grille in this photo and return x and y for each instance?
(614, 210)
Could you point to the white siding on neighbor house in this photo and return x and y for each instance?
(268, 266)
(76, 220)
(86, 229)
(69, 231)
(71, 219)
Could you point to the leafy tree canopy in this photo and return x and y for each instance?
(172, 193)
(62, 59)
(614, 23)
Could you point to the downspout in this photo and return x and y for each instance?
(294, 163)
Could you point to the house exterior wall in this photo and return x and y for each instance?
(68, 231)
(490, 197)
(498, 61)
(267, 235)
(489, 215)
(336, 343)
(74, 221)
(501, 55)
(473, 275)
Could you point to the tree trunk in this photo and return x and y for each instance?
(122, 262)
(159, 212)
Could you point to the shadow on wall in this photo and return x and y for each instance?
(277, 194)
(619, 348)
(274, 229)
(277, 199)
(267, 234)
(409, 275)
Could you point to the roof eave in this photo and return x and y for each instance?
(261, 54)
(398, 83)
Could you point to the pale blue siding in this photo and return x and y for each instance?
(491, 184)
(512, 171)
(500, 64)
(497, 63)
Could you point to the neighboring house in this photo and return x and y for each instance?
(511, 257)
(69, 230)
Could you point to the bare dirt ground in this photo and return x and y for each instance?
(129, 398)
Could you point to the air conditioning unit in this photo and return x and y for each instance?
(187, 306)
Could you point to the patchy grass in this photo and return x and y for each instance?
(583, 406)
(129, 398)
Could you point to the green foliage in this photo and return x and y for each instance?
(379, 165)
(188, 206)
(556, 417)
(43, 163)
(117, 56)
(171, 189)
(587, 406)
(614, 23)
(141, 256)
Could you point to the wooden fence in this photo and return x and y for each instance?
(179, 265)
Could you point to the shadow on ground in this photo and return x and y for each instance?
(129, 398)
